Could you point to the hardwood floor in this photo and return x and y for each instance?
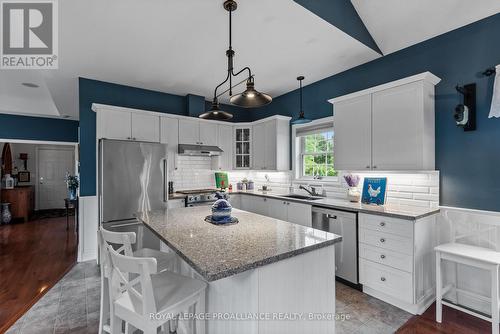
(33, 257)
(454, 322)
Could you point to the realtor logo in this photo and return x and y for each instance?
(29, 34)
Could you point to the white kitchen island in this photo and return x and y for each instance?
(265, 275)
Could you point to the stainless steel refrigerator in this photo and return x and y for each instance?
(132, 178)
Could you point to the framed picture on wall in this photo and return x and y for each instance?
(23, 176)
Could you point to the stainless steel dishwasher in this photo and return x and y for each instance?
(346, 252)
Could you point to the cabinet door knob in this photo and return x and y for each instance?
(382, 240)
(374, 166)
(382, 224)
(382, 256)
(382, 279)
(288, 203)
(368, 167)
(265, 199)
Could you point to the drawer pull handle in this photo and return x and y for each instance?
(382, 279)
(382, 240)
(382, 256)
(382, 224)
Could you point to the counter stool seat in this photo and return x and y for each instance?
(474, 256)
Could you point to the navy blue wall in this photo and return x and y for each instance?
(468, 161)
(38, 128)
(93, 91)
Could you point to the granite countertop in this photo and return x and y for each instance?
(397, 211)
(216, 252)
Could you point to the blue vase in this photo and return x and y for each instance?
(72, 193)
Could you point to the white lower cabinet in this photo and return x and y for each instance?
(235, 201)
(278, 209)
(396, 260)
(293, 212)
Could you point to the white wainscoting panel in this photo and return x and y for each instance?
(88, 225)
(472, 227)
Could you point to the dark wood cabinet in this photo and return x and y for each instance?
(22, 201)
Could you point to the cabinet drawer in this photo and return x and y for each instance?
(386, 224)
(384, 256)
(387, 241)
(390, 281)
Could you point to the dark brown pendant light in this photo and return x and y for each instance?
(250, 98)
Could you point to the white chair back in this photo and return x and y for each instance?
(123, 240)
(139, 289)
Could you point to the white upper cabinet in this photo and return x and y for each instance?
(169, 134)
(197, 132)
(259, 146)
(113, 124)
(117, 124)
(145, 127)
(208, 133)
(271, 144)
(225, 142)
(242, 147)
(189, 131)
(388, 127)
(352, 129)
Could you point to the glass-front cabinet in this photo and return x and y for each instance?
(243, 149)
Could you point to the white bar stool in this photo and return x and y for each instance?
(151, 299)
(474, 256)
(123, 242)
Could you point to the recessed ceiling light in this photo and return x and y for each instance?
(30, 85)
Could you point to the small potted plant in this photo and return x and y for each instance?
(72, 183)
(353, 193)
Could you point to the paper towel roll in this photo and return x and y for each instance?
(495, 102)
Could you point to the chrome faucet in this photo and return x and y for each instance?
(311, 192)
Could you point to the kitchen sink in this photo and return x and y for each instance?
(308, 198)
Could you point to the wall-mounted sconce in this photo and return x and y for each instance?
(465, 113)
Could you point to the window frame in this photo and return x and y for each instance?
(298, 150)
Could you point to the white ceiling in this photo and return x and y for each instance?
(178, 46)
(15, 98)
(397, 24)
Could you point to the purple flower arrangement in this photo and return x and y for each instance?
(352, 180)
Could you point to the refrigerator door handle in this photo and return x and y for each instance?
(165, 176)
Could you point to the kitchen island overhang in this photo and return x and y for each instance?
(281, 273)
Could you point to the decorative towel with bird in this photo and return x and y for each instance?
(374, 190)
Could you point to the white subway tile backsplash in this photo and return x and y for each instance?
(418, 188)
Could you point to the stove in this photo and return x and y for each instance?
(201, 197)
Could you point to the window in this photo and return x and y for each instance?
(316, 153)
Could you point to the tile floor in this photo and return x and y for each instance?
(72, 306)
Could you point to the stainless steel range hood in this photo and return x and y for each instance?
(199, 150)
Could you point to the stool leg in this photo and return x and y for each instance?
(494, 300)
(439, 287)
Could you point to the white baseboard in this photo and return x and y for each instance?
(418, 308)
(84, 257)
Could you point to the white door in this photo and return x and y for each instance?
(225, 138)
(189, 131)
(53, 164)
(397, 128)
(114, 124)
(299, 213)
(259, 146)
(352, 134)
(270, 147)
(208, 133)
(277, 209)
(145, 127)
(169, 133)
